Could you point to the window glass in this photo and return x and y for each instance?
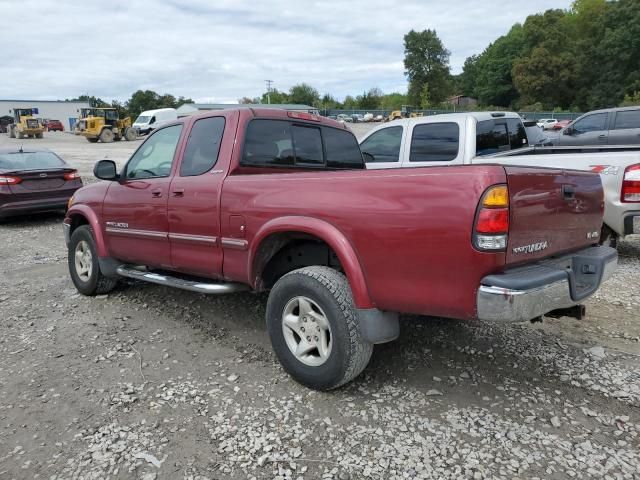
(341, 149)
(517, 133)
(627, 119)
(29, 160)
(384, 145)
(155, 156)
(591, 123)
(203, 146)
(434, 142)
(491, 137)
(268, 142)
(307, 144)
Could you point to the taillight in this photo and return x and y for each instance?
(631, 184)
(74, 175)
(9, 180)
(491, 228)
(304, 116)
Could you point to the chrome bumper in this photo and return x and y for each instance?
(556, 284)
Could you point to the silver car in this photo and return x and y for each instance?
(613, 126)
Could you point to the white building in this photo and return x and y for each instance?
(66, 112)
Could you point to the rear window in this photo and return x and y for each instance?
(30, 161)
(627, 119)
(492, 137)
(434, 142)
(277, 143)
(517, 133)
(203, 146)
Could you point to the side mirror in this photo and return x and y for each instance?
(105, 170)
(368, 158)
(567, 131)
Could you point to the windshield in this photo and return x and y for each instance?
(29, 161)
(142, 119)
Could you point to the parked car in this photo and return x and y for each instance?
(536, 136)
(378, 118)
(332, 117)
(343, 117)
(613, 126)
(368, 117)
(237, 207)
(547, 123)
(150, 119)
(34, 180)
(357, 117)
(54, 126)
(500, 137)
(561, 124)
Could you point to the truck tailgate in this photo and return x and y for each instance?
(552, 211)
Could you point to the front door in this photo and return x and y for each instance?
(135, 208)
(589, 130)
(194, 198)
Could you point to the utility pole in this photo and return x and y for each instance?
(269, 82)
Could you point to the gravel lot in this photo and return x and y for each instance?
(152, 383)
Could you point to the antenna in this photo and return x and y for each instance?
(268, 82)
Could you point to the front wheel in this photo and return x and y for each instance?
(83, 264)
(608, 237)
(314, 328)
(130, 134)
(106, 136)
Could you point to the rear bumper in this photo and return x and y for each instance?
(632, 223)
(528, 292)
(34, 206)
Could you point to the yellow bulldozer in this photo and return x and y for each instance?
(25, 124)
(405, 112)
(103, 124)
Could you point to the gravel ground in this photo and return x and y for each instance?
(152, 383)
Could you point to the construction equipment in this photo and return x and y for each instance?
(100, 123)
(25, 124)
(406, 111)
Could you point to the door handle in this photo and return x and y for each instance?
(178, 192)
(602, 136)
(156, 193)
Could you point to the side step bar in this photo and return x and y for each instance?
(192, 285)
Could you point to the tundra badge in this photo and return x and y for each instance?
(534, 247)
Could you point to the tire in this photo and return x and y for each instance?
(106, 136)
(83, 264)
(19, 135)
(92, 140)
(39, 135)
(12, 132)
(130, 134)
(329, 295)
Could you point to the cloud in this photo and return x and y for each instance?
(223, 50)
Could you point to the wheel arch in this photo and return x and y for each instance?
(279, 234)
(79, 215)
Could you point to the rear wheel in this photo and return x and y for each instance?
(106, 136)
(19, 134)
(12, 132)
(83, 264)
(314, 329)
(130, 134)
(39, 135)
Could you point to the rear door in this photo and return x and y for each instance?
(135, 208)
(552, 211)
(434, 143)
(625, 128)
(591, 129)
(194, 197)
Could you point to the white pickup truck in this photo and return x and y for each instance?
(500, 137)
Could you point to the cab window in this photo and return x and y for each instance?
(155, 156)
(203, 147)
(384, 145)
(591, 123)
(434, 142)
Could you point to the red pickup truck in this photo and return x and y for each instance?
(261, 199)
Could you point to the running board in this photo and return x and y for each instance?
(192, 285)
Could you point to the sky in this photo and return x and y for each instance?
(221, 50)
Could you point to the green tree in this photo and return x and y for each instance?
(425, 96)
(426, 61)
(370, 100)
(393, 101)
(274, 96)
(304, 94)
